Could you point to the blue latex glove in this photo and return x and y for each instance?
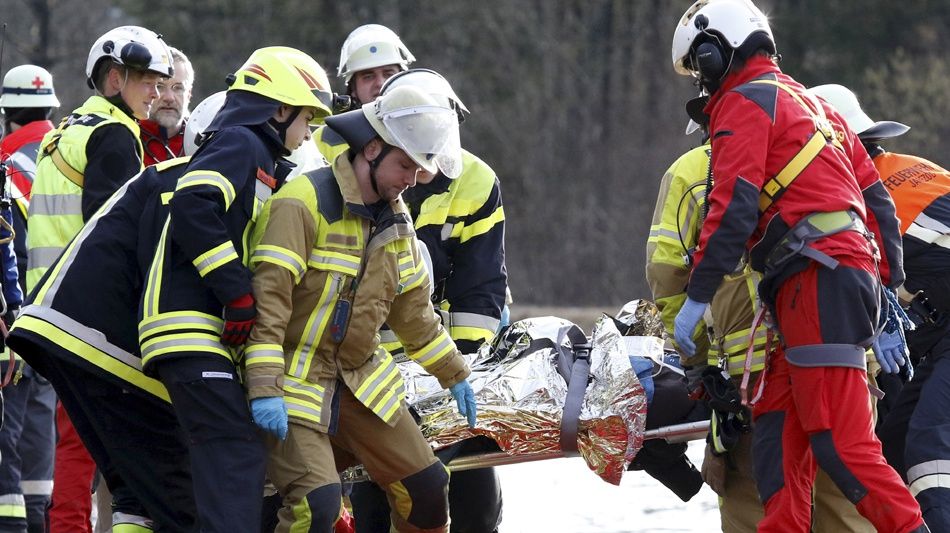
(270, 414)
(890, 351)
(465, 397)
(643, 368)
(685, 324)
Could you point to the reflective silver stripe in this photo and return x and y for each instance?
(250, 356)
(938, 466)
(127, 518)
(320, 259)
(664, 232)
(420, 273)
(388, 235)
(387, 335)
(43, 256)
(930, 230)
(56, 204)
(293, 406)
(394, 399)
(473, 320)
(198, 322)
(42, 487)
(90, 336)
(173, 343)
(262, 191)
(426, 357)
(313, 334)
(291, 384)
(208, 264)
(447, 231)
(218, 181)
(24, 164)
(384, 375)
(283, 258)
(12, 499)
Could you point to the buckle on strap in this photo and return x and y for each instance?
(67, 170)
(809, 229)
(817, 355)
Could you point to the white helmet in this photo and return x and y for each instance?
(733, 24)
(28, 86)
(200, 119)
(371, 46)
(433, 84)
(132, 46)
(846, 103)
(305, 159)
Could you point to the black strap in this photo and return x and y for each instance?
(576, 386)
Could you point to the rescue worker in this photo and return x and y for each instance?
(914, 432)
(163, 132)
(198, 304)
(335, 256)
(27, 436)
(80, 329)
(461, 222)
(371, 54)
(818, 222)
(727, 468)
(92, 152)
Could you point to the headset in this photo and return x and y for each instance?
(712, 60)
(128, 53)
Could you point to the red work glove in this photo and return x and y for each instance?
(239, 318)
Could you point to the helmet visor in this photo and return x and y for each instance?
(429, 135)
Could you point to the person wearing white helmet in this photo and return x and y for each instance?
(469, 281)
(92, 152)
(371, 54)
(796, 191)
(27, 437)
(334, 257)
(916, 432)
(163, 132)
(119, 239)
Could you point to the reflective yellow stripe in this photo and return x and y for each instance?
(264, 354)
(316, 324)
(215, 257)
(466, 232)
(415, 280)
(431, 353)
(282, 257)
(101, 359)
(154, 279)
(302, 409)
(327, 260)
(472, 333)
(182, 342)
(179, 320)
(208, 177)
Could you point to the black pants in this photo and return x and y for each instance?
(135, 441)
(227, 454)
(474, 503)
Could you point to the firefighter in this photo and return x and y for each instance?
(163, 133)
(198, 306)
(461, 222)
(371, 54)
(335, 256)
(93, 151)
(27, 436)
(795, 186)
(80, 330)
(913, 433)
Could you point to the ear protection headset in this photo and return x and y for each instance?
(712, 61)
(128, 53)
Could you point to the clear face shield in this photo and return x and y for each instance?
(429, 134)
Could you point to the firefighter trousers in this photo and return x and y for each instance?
(822, 414)
(226, 453)
(27, 441)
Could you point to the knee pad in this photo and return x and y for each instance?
(422, 499)
(130, 523)
(827, 456)
(320, 509)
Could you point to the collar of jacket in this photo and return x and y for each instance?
(98, 104)
(154, 129)
(414, 196)
(32, 132)
(350, 189)
(756, 66)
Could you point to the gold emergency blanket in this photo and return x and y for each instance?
(521, 394)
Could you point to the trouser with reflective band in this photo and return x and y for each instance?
(305, 466)
(27, 441)
(227, 455)
(822, 414)
(474, 503)
(135, 441)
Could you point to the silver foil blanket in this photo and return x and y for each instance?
(521, 394)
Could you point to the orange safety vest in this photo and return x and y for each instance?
(914, 183)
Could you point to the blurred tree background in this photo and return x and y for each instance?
(574, 102)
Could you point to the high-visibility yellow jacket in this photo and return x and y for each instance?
(677, 221)
(60, 201)
(315, 247)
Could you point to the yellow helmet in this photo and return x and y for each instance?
(288, 76)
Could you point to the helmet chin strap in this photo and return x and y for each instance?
(374, 164)
(282, 127)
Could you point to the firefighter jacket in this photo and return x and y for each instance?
(157, 145)
(18, 150)
(81, 163)
(462, 223)
(760, 120)
(328, 272)
(200, 261)
(329, 143)
(84, 309)
(677, 221)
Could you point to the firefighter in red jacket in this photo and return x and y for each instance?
(795, 188)
(914, 434)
